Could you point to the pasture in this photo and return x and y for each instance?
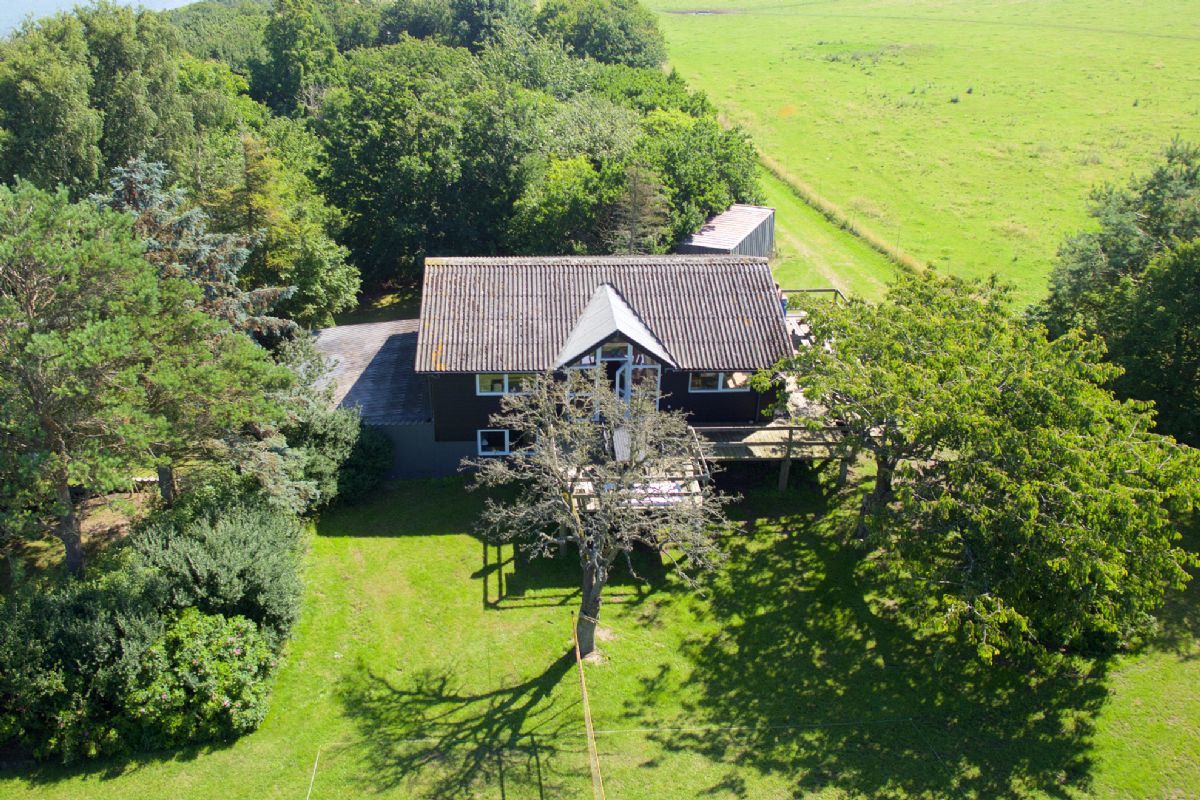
(967, 134)
(424, 667)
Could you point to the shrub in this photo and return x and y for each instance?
(204, 679)
(67, 656)
(367, 466)
(244, 563)
(326, 437)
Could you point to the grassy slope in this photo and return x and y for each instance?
(788, 677)
(853, 98)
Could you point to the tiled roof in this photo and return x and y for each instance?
(726, 230)
(516, 314)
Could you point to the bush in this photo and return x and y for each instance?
(243, 563)
(204, 679)
(326, 437)
(67, 656)
(368, 464)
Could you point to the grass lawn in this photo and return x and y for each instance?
(811, 252)
(967, 131)
(416, 673)
(384, 307)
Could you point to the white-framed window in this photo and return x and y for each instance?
(616, 351)
(492, 442)
(700, 382)
(493, 384)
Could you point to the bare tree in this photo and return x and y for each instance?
(602, 474)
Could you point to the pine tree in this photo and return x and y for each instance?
(638, 221)
(179, 243)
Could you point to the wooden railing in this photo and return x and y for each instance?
(836, 293)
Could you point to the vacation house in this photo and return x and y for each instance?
(695, 327)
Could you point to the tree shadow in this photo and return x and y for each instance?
(18, 763)
(436, 739)
(512, 579)
(815, 676)
(1179, 619)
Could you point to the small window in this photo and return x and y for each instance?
(719, 382)
(735, 381)
(614, 351)
(519, 383)
(705, 382)
(497, 383)
(492, 442)
(489, 383)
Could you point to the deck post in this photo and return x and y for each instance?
(786, 467)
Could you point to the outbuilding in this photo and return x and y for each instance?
(742, 230)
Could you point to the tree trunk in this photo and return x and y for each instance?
(167, 487)
(589, 610)
(878, 497)
(67, 530)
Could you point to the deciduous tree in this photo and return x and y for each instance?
(611, 31)
(301, 54)
(1132, 281)
(600, 475)
(1018, 498)
(49, 131)
(293, 247)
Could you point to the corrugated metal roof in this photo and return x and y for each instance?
(516, 314)
(608, 314)
(371, 367)
(726, 230)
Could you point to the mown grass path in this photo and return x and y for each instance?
(967, 133)
(417, 674)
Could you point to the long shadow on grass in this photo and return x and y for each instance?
(514, 580)
(815, 678)
(440, 740)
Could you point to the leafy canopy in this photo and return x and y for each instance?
(1019, 499)
(610, 31)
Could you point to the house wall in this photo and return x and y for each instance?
(416, 454)
(760, 241)
(711, 407)
(457, 411)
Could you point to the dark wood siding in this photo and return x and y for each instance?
(711, 406)
(457, 411)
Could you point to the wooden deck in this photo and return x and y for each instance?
(770, 442)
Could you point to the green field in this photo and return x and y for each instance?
(416, 674)
(967, 132)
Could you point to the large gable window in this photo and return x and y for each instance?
(488, 384)
(492, 442)
(700, 382)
